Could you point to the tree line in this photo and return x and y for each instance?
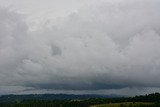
(154, 98)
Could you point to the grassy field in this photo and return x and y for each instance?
(126, 104)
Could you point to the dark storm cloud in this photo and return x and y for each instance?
(106, 46)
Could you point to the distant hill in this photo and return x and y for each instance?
(12, 98)
(71, 100)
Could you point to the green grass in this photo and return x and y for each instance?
(125, 104)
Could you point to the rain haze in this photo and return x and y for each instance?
(80, 46)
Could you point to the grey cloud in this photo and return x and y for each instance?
(106, 46)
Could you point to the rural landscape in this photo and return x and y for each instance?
(64, 100)
(79, 53)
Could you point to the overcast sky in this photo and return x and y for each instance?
(80, 46)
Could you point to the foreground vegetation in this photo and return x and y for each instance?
(126, 104)
(151, 100)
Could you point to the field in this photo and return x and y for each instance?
(126, 104)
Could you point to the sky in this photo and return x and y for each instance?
(80, 46)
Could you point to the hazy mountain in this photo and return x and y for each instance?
(6, 98)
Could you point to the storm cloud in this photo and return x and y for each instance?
(103, 46)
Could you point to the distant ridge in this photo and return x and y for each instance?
(12, 98)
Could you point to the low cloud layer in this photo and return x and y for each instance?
(107, 46)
